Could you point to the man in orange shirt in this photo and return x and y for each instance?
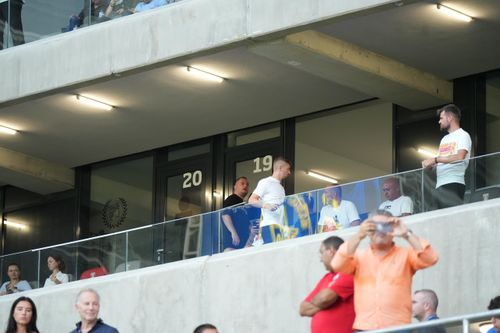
(383, 273)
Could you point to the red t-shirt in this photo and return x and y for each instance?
(340, 316)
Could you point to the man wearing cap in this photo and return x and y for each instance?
(452, 159)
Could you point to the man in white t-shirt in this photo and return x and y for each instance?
(337, 213)
(269, 195)
(452, 159)
(397, 204)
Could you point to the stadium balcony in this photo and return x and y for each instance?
(258, 289)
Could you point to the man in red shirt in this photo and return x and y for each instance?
(331, 303)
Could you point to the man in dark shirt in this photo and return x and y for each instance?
(424, 306)
(236, 219)
(88, 305)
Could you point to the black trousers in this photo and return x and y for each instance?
(15, 24)
(450, 195)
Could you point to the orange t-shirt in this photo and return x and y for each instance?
(382, 285)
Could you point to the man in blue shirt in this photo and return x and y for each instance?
(495, 320)
(150, 4)
(424, 306)
(87, 305)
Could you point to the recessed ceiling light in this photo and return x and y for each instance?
(15, 225)
(322, 177)
(94, 103)
(426, 152)
(453, 13)
(204, 74)
(8, 130)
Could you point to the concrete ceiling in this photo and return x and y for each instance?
(163, 106)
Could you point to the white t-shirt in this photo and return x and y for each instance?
(399, 206)
(270, 191)
(450, 145)
(342, 216)
(60, 276)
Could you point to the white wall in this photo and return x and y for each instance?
(259, 289)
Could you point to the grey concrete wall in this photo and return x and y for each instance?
(184, 28)
(259, 289)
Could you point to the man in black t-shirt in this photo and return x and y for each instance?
(236, 219)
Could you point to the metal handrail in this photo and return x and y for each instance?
(221, 210)
(463, 319)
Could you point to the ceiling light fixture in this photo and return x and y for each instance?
(15, 225)
(322, 177)
(8, 130)
(426, 152)
(205, 75)
(94, 103)
(453, 13)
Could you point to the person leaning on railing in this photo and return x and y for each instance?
(15, 284)
(383, 273)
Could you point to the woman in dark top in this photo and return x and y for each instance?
(22, 317)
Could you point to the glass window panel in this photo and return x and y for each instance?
(487, 166)
(252, 135)
(255, 170)
(493, 114)
(39, 226)
(348, 144)
(177, 154)
(121, 196)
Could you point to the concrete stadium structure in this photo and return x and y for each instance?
(378, 69)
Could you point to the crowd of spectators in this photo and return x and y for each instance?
(104, 10)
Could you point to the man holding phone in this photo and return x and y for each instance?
(383, 273)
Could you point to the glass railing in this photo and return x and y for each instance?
(301, 214)
(29, 21)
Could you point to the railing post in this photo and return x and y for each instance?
(126, 251)
(422, 189)
(38, 274)
(465, 326)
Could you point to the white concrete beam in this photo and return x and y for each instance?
(34, 174)
(185, 28)
(359, 69)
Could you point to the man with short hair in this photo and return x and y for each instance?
(383, 273)
(269, 195)
(424, 307)
(87, 305)
(452, 159)
(337, 212)
(331, 303)
(495, 320)
(206, 328)
(236, 219)
(15, 284)
(397, 204)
